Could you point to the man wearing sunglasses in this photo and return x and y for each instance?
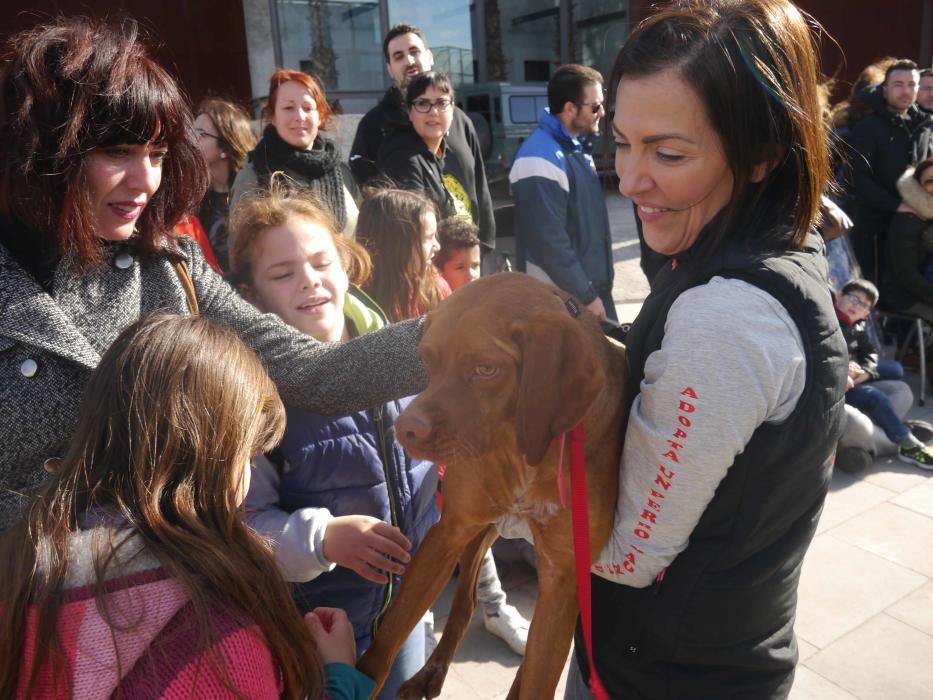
(407, 55)
(562, 231)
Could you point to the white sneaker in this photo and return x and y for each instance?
(508, 624)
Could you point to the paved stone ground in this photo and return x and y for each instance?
(865, 615)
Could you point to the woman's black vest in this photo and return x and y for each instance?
(720, 623)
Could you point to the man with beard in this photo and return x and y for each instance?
(925, 93)
(893, 136)
(562, 231)
(407, 54)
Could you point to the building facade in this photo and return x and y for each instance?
(517, 41)
(229, 47)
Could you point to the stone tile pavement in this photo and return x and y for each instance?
(865, 614)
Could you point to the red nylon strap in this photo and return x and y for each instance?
(579, 513)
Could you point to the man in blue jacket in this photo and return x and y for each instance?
(562, 231)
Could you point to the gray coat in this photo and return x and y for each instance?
(49, 343)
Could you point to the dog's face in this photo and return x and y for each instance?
(508, 368)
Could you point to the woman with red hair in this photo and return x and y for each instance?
(296, 112)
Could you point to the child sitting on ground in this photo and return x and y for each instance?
(132, 573)
(458, 259)
(873, 398)
(339, 491)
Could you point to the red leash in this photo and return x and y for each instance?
(579, 513)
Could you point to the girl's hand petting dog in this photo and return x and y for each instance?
(367, 545)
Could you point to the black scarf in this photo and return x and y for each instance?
(317, 169)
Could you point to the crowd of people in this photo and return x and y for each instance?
(883, 157)
(201, 489)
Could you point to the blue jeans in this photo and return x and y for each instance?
(890, 369)
(875, 404)
(409, 661)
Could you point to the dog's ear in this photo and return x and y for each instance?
(560, 378)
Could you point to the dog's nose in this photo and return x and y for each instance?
(413, 427)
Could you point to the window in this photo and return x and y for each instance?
(338, 41)
(526, 109)
(537, 71)
(480, 104)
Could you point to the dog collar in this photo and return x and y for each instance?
(572, 307)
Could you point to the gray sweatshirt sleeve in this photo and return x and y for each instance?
(731, 359)
(330, 378)
(297, 537)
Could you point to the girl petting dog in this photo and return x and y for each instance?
(133, 573)
(339, 492)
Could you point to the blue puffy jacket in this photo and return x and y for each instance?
(353, 465)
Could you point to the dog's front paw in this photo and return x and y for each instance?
(427, 683)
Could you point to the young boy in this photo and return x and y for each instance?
(853, 305)
(458, 260)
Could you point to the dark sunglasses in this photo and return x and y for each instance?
(595, 106)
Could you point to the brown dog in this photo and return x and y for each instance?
(510, 369)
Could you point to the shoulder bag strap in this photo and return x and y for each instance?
(184, 276)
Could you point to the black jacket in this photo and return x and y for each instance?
(406, 160)
(860, 346)
(909, 245)
(463, 160)
(720, 623)
(884, 145)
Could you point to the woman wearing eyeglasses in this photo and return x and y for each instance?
(292, 143)
(413, 155)
(224, 138)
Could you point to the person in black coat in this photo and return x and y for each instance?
(907, 281)
(893, 136)
(407, 55)
(413, 155)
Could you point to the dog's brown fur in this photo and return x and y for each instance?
(509, 371)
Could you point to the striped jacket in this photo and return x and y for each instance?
(561, 222)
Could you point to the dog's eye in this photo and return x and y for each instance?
(485, 371)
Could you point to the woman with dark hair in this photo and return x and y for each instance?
(737, 367)
(412, 154)
(225, 138)
(908, 279)
(100, 161)
(297, 111)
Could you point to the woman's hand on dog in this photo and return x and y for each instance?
(367, 545)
